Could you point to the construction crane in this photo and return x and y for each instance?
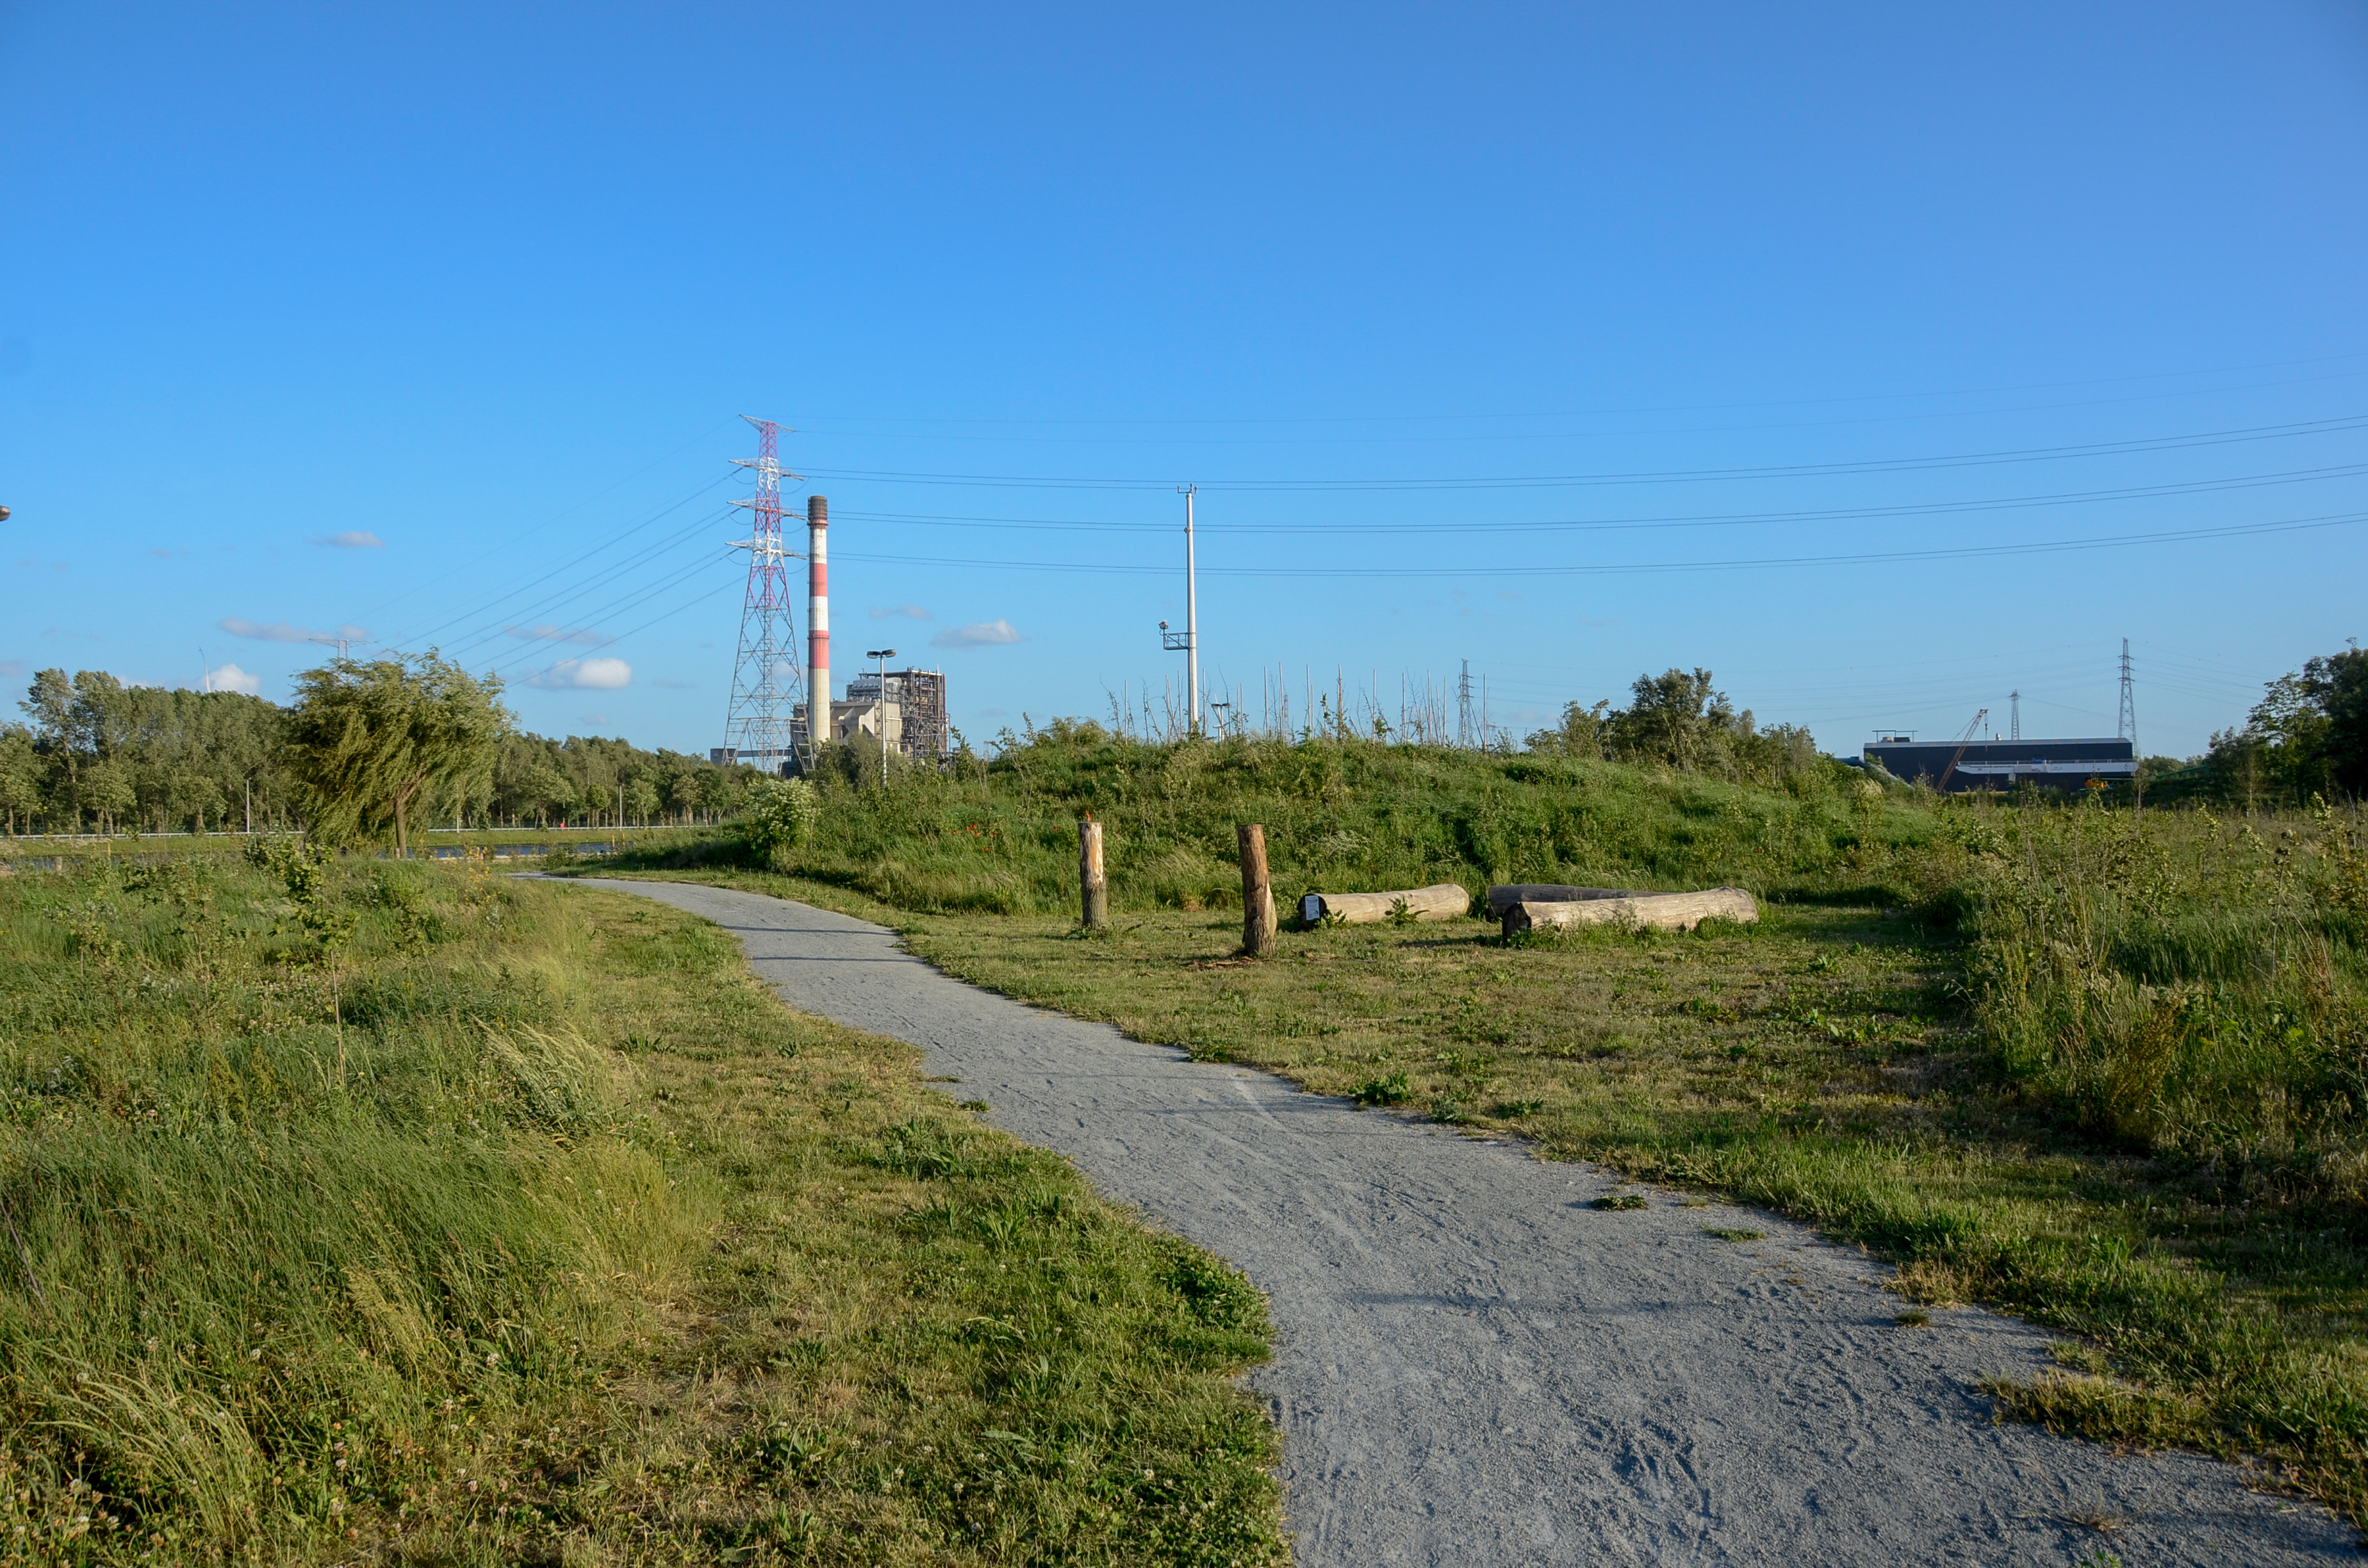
(1963, 742)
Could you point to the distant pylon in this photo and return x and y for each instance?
(766, 681)
(1463, 707)
(2014, 715)
(2128, 729)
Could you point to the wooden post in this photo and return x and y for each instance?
(1094, 886)
(1257, 893)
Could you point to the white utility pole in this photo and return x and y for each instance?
(1191, 612)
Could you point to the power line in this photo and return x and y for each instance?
(564, 512)
(551, 606)
(2338, 426)
(1649, 408)
(1616, 569)
(1698, 520)
(1399, 439)
(631, 600)
(575, 561)
(691, 603)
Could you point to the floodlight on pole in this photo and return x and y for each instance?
(880, 706)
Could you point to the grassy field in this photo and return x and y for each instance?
(2103, 1071)
(368, 1212)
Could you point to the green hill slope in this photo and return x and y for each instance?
(1001, 837)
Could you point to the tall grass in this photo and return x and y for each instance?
(407, 1213)
(289, 1221)
(2188, 986)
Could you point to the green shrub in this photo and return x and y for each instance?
(781, 818)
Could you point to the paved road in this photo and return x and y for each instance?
(1476, 1367)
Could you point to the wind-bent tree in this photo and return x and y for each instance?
(368, 739)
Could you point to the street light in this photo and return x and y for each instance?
(880, 706)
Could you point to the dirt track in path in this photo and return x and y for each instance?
(1475, 1366)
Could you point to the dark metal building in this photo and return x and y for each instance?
(2003, 765)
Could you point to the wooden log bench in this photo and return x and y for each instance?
(1650, 910)
(1443, 901)
(1503, 896)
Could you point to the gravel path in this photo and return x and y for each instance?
(1476, 1366)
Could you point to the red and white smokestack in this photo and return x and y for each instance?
(818, 726)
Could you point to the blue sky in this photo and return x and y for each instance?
(1574, 342)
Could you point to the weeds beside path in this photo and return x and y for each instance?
(1820, 1063)
(424, 1216)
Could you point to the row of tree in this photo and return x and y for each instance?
(430, 743)
(380, 748)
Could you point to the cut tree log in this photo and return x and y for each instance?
(1443, 901)
(1655, 911)
(1505, 896)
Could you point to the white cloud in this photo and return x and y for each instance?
(280, 632)
(13, 666)
(555, 634)
(907, 612)
(352, 538)
(229, 677)
(585, 675)
(977, 634)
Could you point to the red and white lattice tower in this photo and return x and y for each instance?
(766, 682)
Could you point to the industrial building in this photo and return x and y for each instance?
(913, 713)
(1958, 765)
(908, 706)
